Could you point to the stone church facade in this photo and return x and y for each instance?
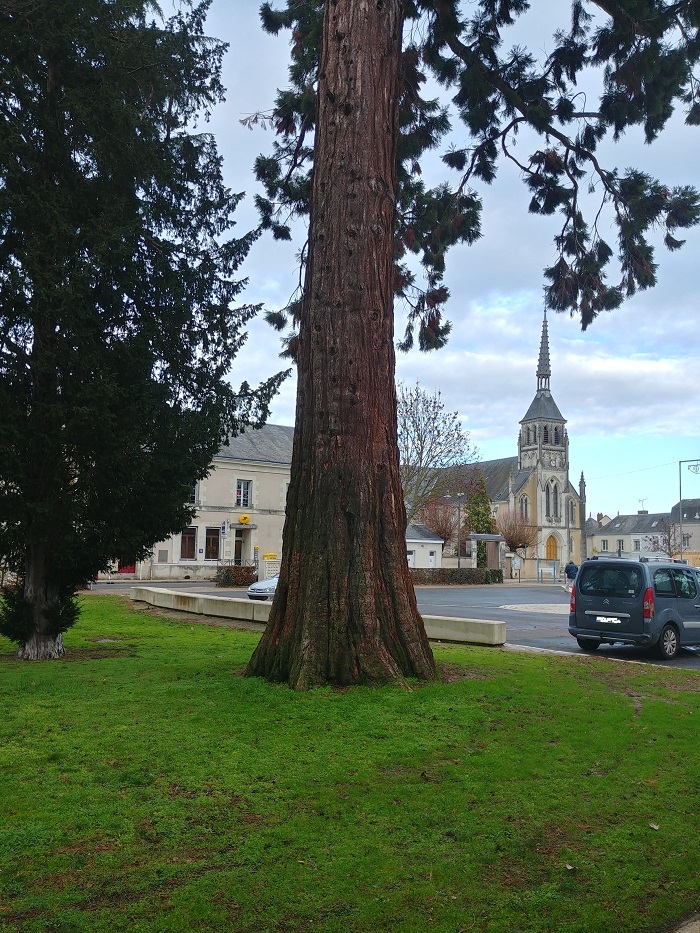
(536, 482)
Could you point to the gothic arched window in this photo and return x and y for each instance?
(555, 502)
(524, 507)
(545, 436)
(546, 502)
(556, 435)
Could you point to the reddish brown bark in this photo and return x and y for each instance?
(345, 611)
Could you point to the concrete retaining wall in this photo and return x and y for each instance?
(244, 610)
(439, 628)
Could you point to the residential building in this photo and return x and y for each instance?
(687, 525)
(240, 511)
(423, 546)
(642, 535)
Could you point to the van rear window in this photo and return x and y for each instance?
(610, 581)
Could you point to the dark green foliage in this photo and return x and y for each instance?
(117, 283)
(642, 53)
(235, 575)
(16, 615)
(439, 576)
(479, 519)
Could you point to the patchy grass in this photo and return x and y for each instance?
(147, 785)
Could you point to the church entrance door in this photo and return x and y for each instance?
(551, 548)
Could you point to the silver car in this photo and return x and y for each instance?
(263, 589)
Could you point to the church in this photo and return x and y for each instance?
(536, 483)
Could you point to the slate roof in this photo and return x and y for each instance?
(419, 532)
(496, 475)
(691, 511)
(649, 524)
(270, 444)
(543, 407)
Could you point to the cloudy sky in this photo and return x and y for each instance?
(628, 386)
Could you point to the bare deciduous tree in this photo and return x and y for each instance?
(431, 443)
(441, 517)
(518, 534)
(667, 540)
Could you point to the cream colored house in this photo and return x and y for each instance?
(423, 547)
(240, 511)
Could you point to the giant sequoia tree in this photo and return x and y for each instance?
(117, 285)
(344, 611)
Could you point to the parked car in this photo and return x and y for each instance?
(648, 602)
(263, 589)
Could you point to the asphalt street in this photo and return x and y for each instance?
(536, 616)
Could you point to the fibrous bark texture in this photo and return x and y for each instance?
(345, 611)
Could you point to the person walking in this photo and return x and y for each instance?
(570, 571)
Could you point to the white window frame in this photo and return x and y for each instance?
(244, 493)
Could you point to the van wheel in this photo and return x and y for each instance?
(668, 644)
(588, 644)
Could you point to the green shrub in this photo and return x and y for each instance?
(436, 576)
(235, 575)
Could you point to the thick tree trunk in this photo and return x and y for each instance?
(42, 597)
(345, 611)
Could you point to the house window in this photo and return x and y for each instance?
(686, 540)
(244, 489)
(211, 544)
(194, 495)
(188, 544)
(636, 544)
(604, 544)
(620, 545)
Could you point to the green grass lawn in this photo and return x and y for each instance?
(146, 785)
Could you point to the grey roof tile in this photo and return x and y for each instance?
(270, 444)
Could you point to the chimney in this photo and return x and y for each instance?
(642, 512)
(599, 519)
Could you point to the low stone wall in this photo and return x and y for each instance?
(244, 610)
(438, 628)
(471, 631)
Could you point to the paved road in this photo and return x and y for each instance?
(536, 616)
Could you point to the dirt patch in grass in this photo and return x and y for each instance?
(452, 673)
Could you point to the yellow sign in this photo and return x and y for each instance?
(269, 557)
(243, 519)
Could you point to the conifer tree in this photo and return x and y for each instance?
(117, 290)
(357, 113)
(478, 515)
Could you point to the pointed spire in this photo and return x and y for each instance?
(543, 368)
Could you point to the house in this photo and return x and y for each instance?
(642, 535)
(423, 546)
(240, 511)
(687, 525)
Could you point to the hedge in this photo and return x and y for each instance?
(235, 575)
(435, 576)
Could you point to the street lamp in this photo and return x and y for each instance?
(459, 498)
(694, 467)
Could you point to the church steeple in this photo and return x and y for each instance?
(544, 370)
(543, 438)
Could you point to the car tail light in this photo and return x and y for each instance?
(649, 603)
(572, 601)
